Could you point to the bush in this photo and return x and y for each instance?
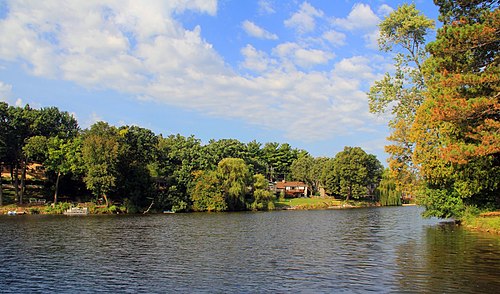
(58, 208)
(282, 196)
(180, 206)
(34, 210)
(442, 203)
(263, 200)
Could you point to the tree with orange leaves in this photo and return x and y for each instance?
(457, 128)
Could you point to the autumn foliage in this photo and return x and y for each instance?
(445, 102)
(457, 128)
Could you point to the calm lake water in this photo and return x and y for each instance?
(359, 250)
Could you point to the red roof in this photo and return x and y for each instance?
(282, 185)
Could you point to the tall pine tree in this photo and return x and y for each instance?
(457, 129)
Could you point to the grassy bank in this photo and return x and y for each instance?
(319, 203)
(484, 222)
(59, 208)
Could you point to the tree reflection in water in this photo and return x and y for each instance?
(449, 259)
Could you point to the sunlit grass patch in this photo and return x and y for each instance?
(488, 222)
(308, 203)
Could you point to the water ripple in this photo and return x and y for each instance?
(365, 250)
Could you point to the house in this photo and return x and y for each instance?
(292, 189)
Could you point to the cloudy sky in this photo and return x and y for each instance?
(269, 70)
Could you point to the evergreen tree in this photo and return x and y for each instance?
(457, 129)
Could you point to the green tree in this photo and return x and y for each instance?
(4, 131)
(100, 156)
(206, 192)
(51, 122)
(134, 181)
(301, 169)
(64, 156)
(234, 178)
(216, 150)
(309, 170)
(355, 172)
(402, 32)
(375, 171)
(328, 178)
(255, 157)
(457, 129)
(19, 130)
(278, 160)
(263, 198)
(60, 156)
(178, 158)
(25, 123)
(386, 192)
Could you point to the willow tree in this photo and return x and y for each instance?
(206, 192)
(234, 178)
(263, 198)
(403, 32)
(457, 129)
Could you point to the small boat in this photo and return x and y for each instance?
(77, 211)
(14, 212)
(168, 211)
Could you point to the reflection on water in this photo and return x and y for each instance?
(361, 250)
(448, 259)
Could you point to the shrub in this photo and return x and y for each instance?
(58, 208)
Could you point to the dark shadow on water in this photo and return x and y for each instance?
(449, 259)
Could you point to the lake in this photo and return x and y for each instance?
(388, 249)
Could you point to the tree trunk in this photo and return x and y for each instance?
(106, 199)
(57, 187)
(151, 205)
(23, 181)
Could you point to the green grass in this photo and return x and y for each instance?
(308, 203)
(481, 223)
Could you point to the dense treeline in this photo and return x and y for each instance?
(139, 169)
(445, 97)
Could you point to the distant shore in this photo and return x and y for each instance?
(486, 222)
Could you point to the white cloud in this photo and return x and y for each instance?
(303, 57)
(361, 17)
(92, 119)
(202, 6)
(5, 91)
(375, 146)
(304, 20)
(335, 38)
(266, 7)
(311, 57)
(371, 40)
(255, 31)
(257, 61)
(384, 10)
(355, 67)
(143, 51)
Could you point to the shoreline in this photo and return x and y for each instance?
(485, 223)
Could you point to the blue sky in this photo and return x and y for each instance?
(269, 70)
